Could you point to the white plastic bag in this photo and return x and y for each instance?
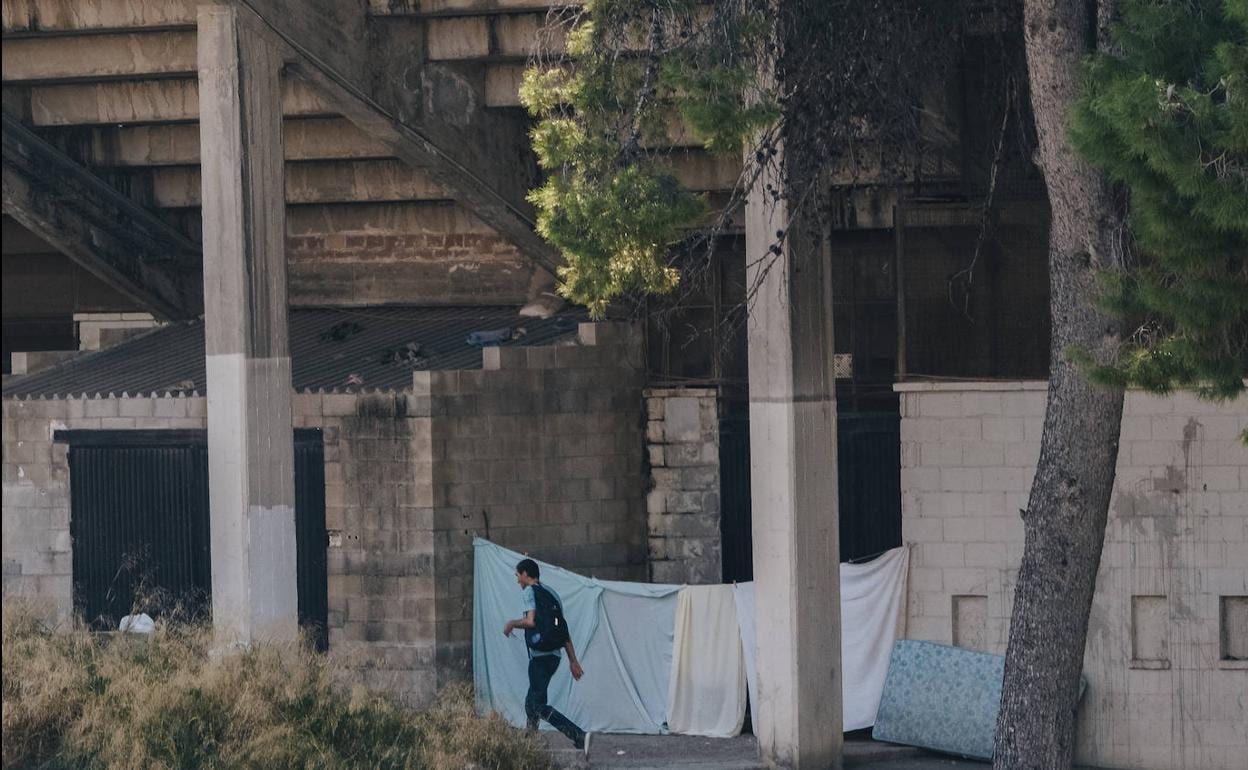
(137, 624)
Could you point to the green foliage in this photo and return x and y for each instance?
(713, 102)
(610, 203)
(1168, 118)
(615, 232)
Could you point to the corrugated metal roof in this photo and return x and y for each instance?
(327, 345)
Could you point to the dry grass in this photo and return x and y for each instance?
(78, 700)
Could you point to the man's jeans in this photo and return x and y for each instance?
(541, 669)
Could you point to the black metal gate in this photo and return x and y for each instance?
(869, 480)
(736, 537)
(868, 451)
(139, 525)
(311, 539)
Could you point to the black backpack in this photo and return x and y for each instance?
(550, 628)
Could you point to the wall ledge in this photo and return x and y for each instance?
(965, 385)
(956, 386)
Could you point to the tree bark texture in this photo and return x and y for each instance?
(1066, 513)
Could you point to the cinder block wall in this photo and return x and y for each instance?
(1174, 570)
(379, 518)
(378, 510)
(540, 452)
(683, 514)
(38, 557)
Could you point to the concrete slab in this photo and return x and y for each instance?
(679, 752)
(694, 753)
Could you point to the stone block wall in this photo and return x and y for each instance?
(1174, 570)
(683, 504)
(541, 452)
(97, 331)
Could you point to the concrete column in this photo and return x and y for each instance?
(793, 489)
(250, 439)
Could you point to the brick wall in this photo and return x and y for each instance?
(683, 515)
(405, 253)
(540, 452)
(1176, 548)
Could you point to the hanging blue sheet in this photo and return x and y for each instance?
(623, 637)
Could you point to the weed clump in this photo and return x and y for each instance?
(81, 700)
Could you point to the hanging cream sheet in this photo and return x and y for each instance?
(707, 690)
(873, 601)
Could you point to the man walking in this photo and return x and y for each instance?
(543, 616)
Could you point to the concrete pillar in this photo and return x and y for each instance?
(793, 488)
(250, 438)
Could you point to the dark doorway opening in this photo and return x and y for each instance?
(139, 524)
(869, 486)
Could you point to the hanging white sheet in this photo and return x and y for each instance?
(873, 597)
(707, 690)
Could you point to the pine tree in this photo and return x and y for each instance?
(1165, 114)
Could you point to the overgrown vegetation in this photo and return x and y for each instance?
(81, 700)
(1166, 115)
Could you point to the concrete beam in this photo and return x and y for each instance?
(511, 36)
(334, 32)
(793, 487)
(377, 181)
(99, 57)
(246, 342)
(444, 8)
(493, 37)
(60, 16)
(429, 118)
(410, 218)
(145, 101)
(333, 182)
(148, 53)
(177, 144)
(119, 242)
(467, 37)
(502, 84)
(703, 171)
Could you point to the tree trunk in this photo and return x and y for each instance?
(1066, 514)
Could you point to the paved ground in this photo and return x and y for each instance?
(676, 752)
